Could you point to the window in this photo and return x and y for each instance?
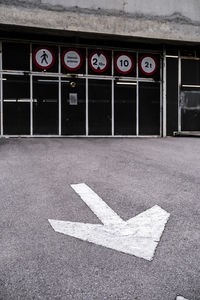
(16, 56)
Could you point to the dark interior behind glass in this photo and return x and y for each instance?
(73, 106)
(99, 107)
(124, 108)
(16, 56)
(190, 71)
(172, 95)
(45, 105)
(16, 104)
(149, 108)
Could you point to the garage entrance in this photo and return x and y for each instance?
(51, 90)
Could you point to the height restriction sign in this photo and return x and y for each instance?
(124, 63)
(98, 61)
(72, 59)
(148, 64)
(44, 58)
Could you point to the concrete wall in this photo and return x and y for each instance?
(160, 19)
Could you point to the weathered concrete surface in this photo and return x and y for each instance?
(170, 20)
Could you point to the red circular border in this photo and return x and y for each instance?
(133, 63)
(36, 63)
(106, 56)
(156, 64)
(81, 59)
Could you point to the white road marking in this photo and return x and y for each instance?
(105, 214)
(138, 236)
(180, 298)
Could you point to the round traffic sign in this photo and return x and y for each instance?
(98, 61)
(148, 64)
(44, 58)
(72, 59)
(124, 63)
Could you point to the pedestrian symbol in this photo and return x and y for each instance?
(44, 58)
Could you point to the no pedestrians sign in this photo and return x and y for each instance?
(44, 58)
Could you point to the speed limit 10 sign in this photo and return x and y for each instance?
(98, 61)
(148, 64)
(124, 63)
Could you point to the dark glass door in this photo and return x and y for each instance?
(45, 105)
(99, 107)
(149, 108)
(73, 106)
(16, 104)
(125, 108)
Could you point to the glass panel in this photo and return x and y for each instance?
(190, 52)
(198, 53)
(190, 110)
(99, 107)
(45, 105)
(125, 108)
(16, 104)
(73, 106)
(190, 71)
(1, 115)
(149, 108)
(173, 52)
(16, 56)
(172, 95)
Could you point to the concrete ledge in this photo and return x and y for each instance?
(124, 25)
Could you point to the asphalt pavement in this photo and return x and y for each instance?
(131, 176)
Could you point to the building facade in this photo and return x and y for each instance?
(91, 68)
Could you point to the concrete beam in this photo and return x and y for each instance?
(139, 18)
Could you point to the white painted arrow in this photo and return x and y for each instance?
(138, 236)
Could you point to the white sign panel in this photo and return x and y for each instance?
(148, 64)
(73, 99)
(98, 61)
(72, 59)
(137, 236)
(44, 58)
(124, 63)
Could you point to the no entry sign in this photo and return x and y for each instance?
(148, 64)
(124, 63)
(98, 61)
(72, 59)
(44, 58)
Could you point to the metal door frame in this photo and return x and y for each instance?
(180, 58)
